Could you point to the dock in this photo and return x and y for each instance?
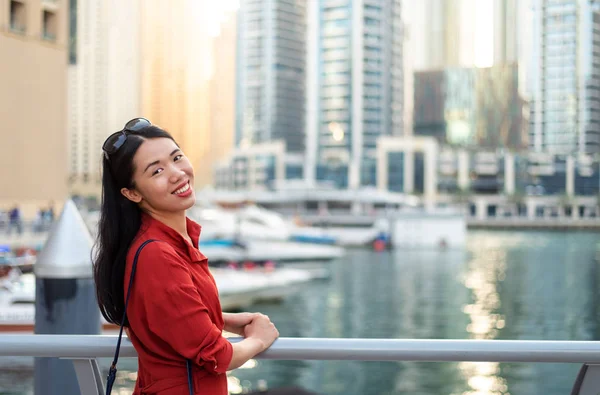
(548, 223)
(554, 223)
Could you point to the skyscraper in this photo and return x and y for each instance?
(175, 75)
(508, 27)
(103, 83)
(222, 91)
(270, 76)
(464, 33)
(356, 86)
(565, 77)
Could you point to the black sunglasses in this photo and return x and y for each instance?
(116, 140)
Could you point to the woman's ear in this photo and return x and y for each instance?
(131, 194)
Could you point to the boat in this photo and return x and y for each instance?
(266, 250)
(238, 289)
(251, 222)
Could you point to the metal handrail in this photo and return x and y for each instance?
(94, 346)
(83, 351)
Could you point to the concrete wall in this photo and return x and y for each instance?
(423, 231)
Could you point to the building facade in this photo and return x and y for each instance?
(565, 64)
(471, 107)
(356, 84)
(103, 83)
(270, 75)
(222, 92)
(175, 76)
(33, 103)
(442, 170)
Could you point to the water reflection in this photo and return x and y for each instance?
(485, 270)
(505, 285)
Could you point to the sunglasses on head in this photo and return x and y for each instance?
(116, 140)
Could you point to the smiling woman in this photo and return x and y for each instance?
(171, 311)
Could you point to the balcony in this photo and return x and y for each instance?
(334, 31)
(335, 3)
(330, 56)
(331, 116)
(339, 13)
(333, 79)
(373, 79)
(375, 13)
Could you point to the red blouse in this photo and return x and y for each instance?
(174, 314)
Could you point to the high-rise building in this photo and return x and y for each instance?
(103, 83)
(270, 81)
(175, 75)
(507, 30)
(222, 91)
(33, 102)
(565, 76)
(441, 33)
(356, 85)
(464, 33)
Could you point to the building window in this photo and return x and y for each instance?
(49, 27)
(17, 17)
(72, 31)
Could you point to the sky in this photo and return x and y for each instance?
(216, 10)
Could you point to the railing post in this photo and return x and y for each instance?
(88, 376)
(588, 381)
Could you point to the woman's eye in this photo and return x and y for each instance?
(157, 171)
(177, 157)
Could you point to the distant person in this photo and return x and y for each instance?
(40, 219)
(15, 221)
(50, 212)
(173, 318)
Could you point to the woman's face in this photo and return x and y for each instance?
(163, 177)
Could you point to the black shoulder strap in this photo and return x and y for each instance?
(113, 367)
(112, 372)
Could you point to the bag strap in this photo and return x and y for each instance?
(113, 367)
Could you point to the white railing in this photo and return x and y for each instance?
(84, 349)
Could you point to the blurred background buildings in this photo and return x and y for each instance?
(258, 92)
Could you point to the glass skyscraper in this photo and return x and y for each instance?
(471, 107)
(270, 74)
(565, 69)
(355, 86)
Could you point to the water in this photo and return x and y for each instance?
(504, 285)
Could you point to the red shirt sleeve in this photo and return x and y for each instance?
(175, 311)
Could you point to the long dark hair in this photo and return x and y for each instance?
(120, 221)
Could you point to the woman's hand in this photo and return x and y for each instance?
(263, 330)
(259, 334)
(236, 322)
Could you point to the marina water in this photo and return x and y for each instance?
(504, 285)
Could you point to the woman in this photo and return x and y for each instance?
(174, 314)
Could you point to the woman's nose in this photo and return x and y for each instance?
(177, 173)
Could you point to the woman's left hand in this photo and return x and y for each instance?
(235, 322)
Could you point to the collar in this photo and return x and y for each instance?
(157, 229)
